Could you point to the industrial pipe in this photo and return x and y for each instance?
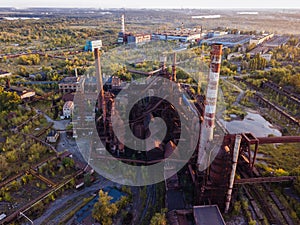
(235, 157)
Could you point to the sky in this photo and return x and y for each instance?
(153, 3)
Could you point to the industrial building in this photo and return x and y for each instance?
(91, 45)
(71, 84)
(257, 40)
(182, 35)
(138, 38)
(131, 38)
(229, 40)
(23, 92)
(212, 34)
(214, 182)
(277, 41)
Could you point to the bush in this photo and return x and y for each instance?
(237, 208)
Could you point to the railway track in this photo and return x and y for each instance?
(263, 199)
(151, 198)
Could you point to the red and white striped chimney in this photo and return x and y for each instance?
(208, 124)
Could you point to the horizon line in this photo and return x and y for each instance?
(121, 8)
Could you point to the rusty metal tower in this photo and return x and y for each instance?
(100, 99)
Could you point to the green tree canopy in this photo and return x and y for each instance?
(104, 210)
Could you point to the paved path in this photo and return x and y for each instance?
(58, 124)
(63, 200)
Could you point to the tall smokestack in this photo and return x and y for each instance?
(123, 24)
(174, 68)
(101, 100)
(208, 124)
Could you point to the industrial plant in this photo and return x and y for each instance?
(132, 118)
(218, 159)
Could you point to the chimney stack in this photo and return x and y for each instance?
(101, 100)
(208, 124)
(123, 24)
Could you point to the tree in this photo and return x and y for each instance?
(103, 210)
(257, 63)
(68, 162)
(8, 100)
(23, 71)
(251, 47)
(159, 219)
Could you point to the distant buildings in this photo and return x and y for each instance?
(91, 45)
(277, 41)
(234, 55)
(260, 39)
(71, 84)
(131, 38)
(229, 40)
(182, 35)
(212, 34)
(68, 109)
(138, 38)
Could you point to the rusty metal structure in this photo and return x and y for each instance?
(140, 115)
(213, 187)
(217, 183)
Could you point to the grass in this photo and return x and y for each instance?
(284, 156)
(282, 160)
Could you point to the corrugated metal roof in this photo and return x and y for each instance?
(208, 215)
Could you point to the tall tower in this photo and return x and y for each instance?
(101, 99)
(208, 124)
(123, 24)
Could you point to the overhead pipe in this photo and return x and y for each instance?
(235, 157)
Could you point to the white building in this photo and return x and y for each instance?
(52, 136)
(68, 109)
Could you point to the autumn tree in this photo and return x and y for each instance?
(8, 100)
(104, 210)
(159, 219)
(257, 63)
